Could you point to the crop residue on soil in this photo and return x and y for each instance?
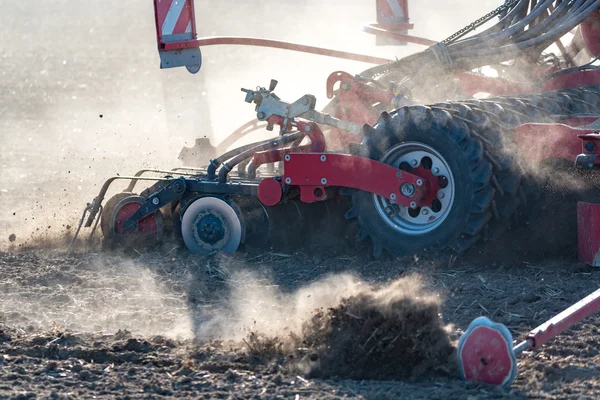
(382, 333)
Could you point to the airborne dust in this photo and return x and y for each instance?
(84, 101)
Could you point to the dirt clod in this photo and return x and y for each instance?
(391, 333)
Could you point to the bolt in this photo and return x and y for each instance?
(155, 201)
(288, 181)
(287, 157)
(323, 158)
(414, 163)
(261, 115)
(419, 182)
(413, 204)
(393, 196)
(308, 128)
(407, 189)
(441, 195)
(345, 86)
(399, 174)
(305, 101)
(424, 211)
(436, 171)
(323, 181)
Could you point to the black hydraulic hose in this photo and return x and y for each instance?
(214, 164)
(558, 13)
(566, 24)
(507, 31)
(549, 37)
(471, 49)
(270, 144)
(505, 21)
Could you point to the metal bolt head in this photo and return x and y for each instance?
(288, 180)
(155, 201)
(407, 189)
(414, 163)
(399, 174)
(413, 204)
(393, 196)
(424, 211)
(441, 195)
(323, 181)
(305, 101)
(261, 115)
(287, 157)
(435, 170)
(323, 158)
(419, 182)
(345, 86)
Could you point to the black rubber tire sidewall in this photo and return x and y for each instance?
(451, 227)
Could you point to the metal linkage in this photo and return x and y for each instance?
(166, 195)
(268, 104)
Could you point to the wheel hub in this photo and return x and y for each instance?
(210, 224)
(211, 227)
(424, 161)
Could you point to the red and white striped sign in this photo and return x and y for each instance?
(174, 17)
(392, 9)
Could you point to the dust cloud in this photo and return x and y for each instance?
(85, 100)
(92, 295)
(337, 326)
(255, 304)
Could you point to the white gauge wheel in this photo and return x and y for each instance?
(211, 225)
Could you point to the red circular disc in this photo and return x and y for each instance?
(145, 225)
(269, 191)
(485, 353)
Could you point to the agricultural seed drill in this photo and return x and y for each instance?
(425, 152)
(429, 152)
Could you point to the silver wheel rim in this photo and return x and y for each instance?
(397, 216)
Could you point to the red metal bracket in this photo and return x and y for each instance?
(313, 172)
(312, 130)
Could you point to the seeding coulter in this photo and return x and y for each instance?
(424, 153)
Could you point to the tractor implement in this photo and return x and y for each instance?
(212, 203)
(424, 153)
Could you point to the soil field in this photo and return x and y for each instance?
(172, 325)
(82, 99)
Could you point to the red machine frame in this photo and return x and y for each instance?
(569, 140)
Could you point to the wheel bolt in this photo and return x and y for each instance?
(441, 195)
(414, 163)
(424, 211)
(155, 201)
(436, 171)
(407, 189)
(413, 204)
(419, 182)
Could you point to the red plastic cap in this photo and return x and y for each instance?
(269, 191)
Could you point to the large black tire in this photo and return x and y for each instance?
(473, 194)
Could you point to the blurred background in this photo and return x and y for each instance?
(82, 97)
